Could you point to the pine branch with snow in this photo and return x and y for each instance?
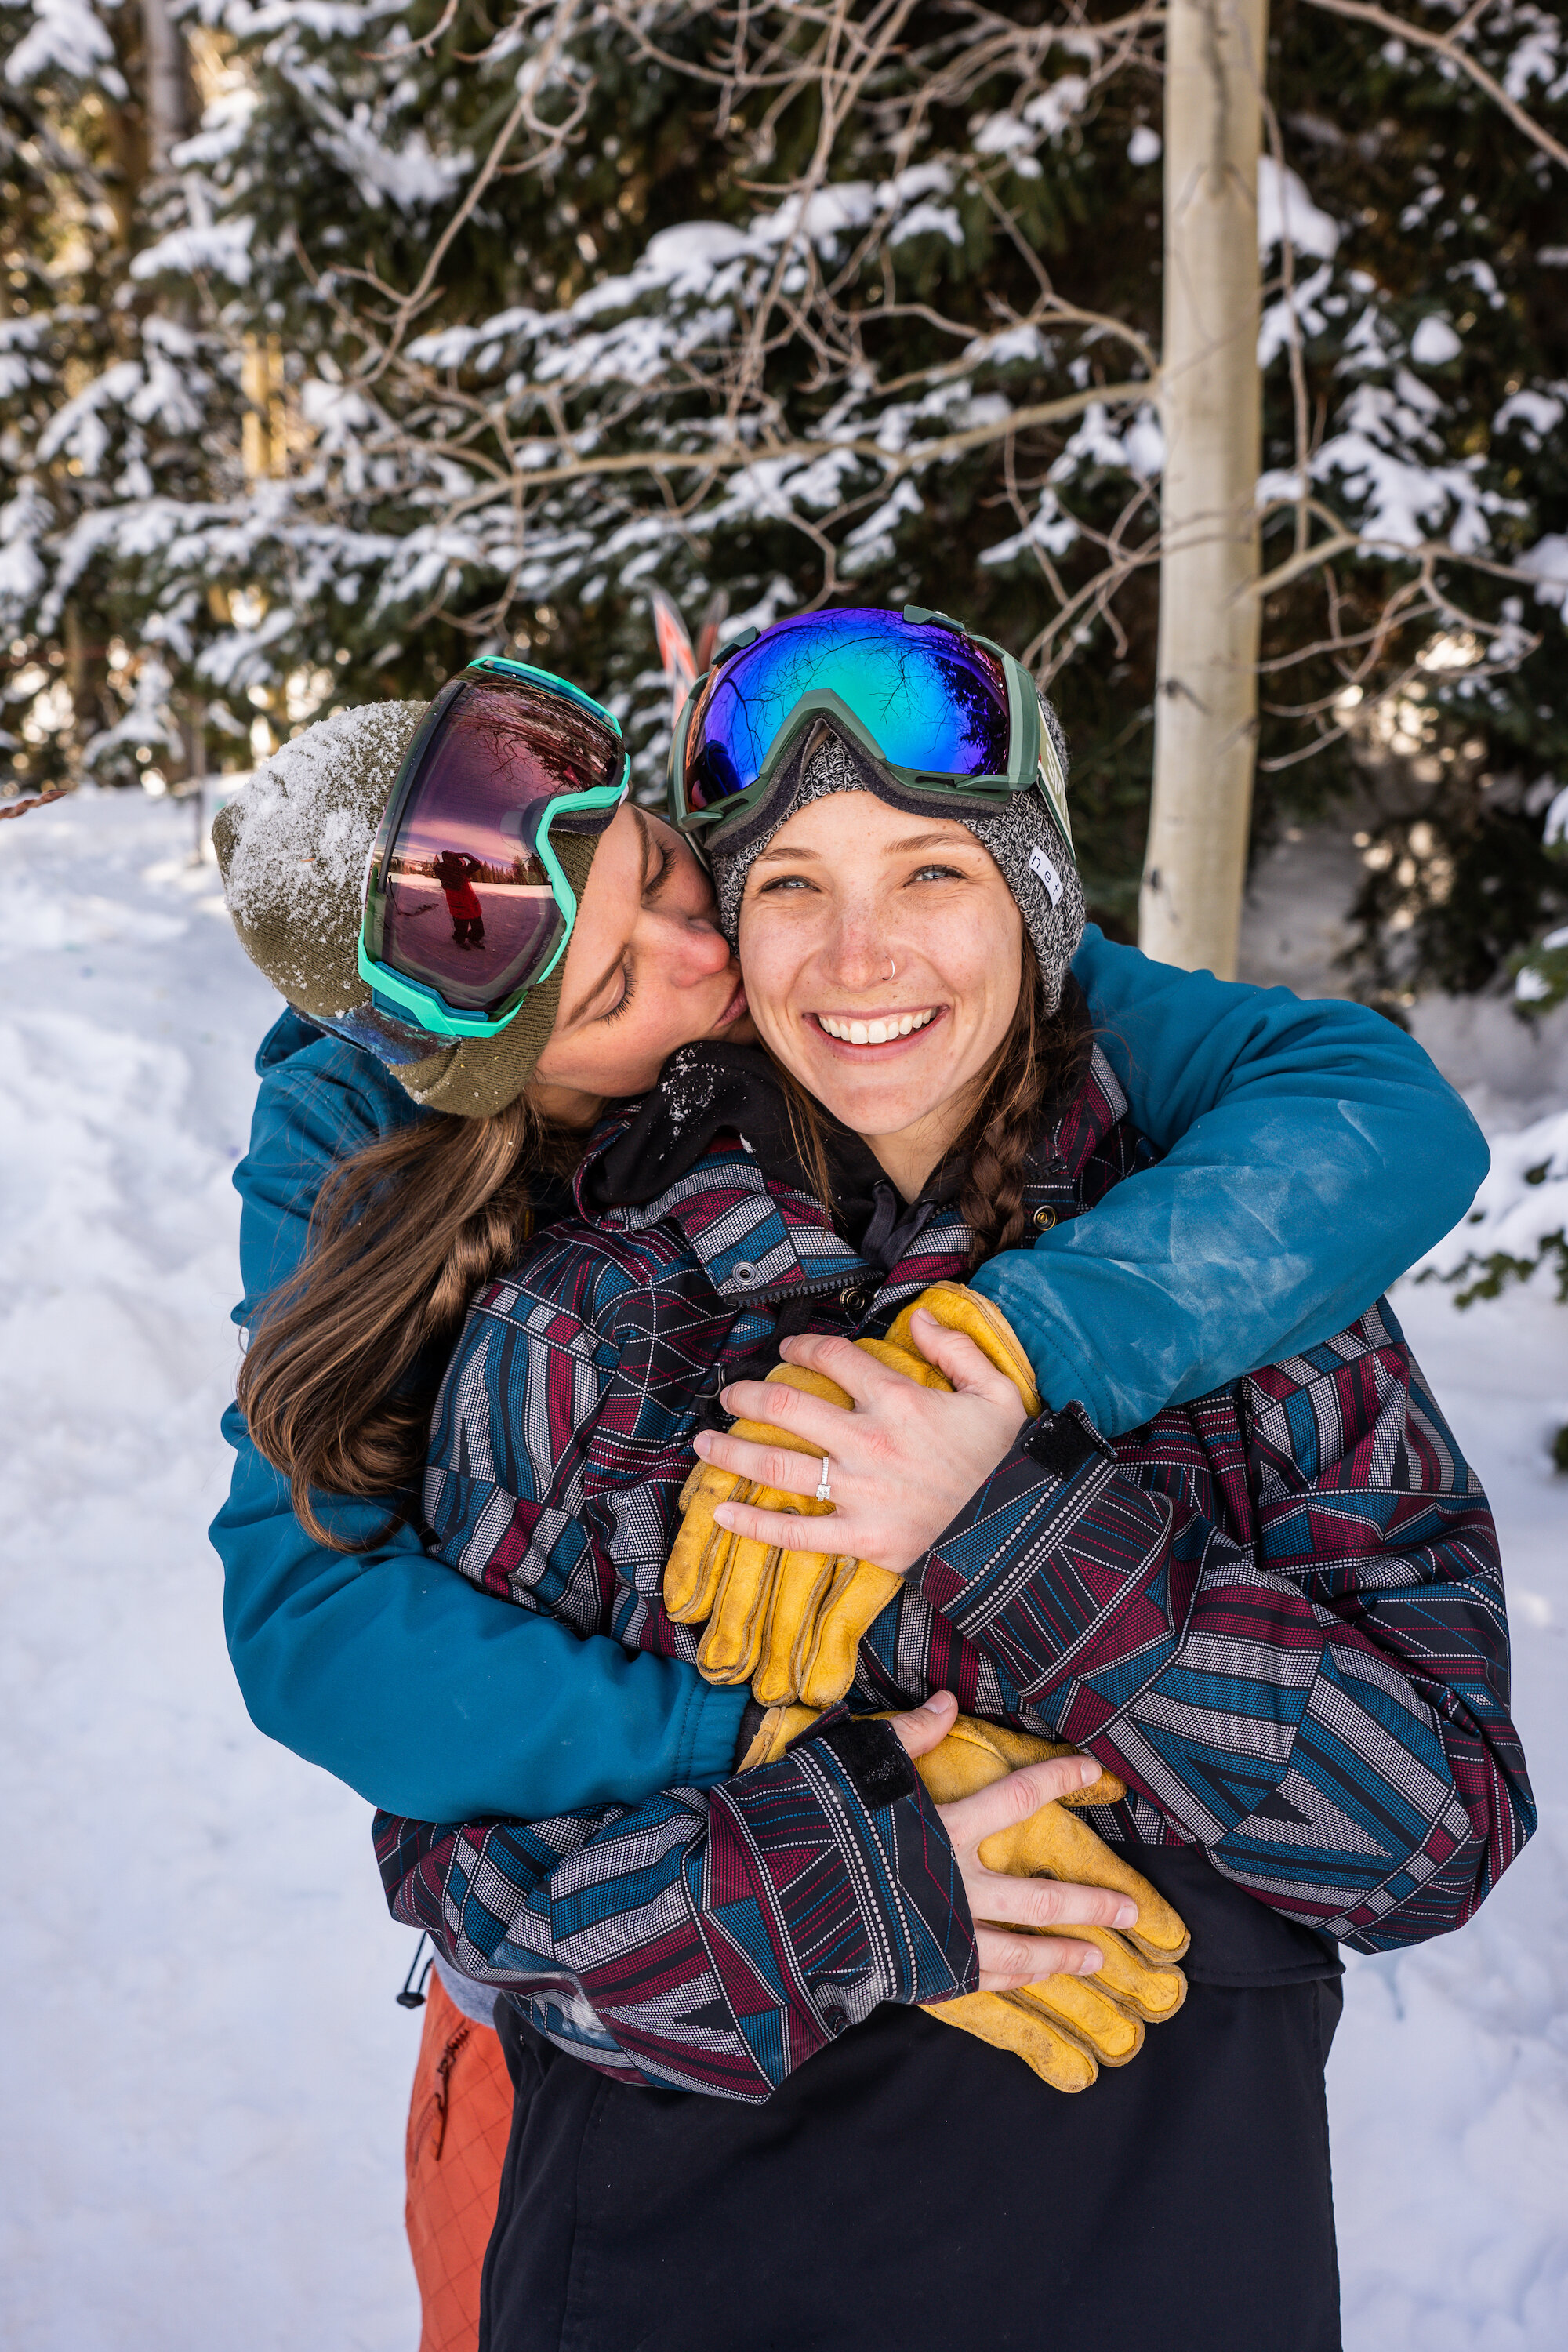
(1519, 1223)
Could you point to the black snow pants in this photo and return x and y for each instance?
(911, 2183)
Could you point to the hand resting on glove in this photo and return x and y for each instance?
(901, 1446)
(904, 1464)
(1066, 2003)
(1008, 1910)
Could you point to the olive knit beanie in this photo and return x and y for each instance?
(1021, 834)
(294, 847)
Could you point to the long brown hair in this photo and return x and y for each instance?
(1036, 1070)
(336, 1384)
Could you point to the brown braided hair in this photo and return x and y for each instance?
(337, 1383)
(1039, 1067)
(1033, 1076)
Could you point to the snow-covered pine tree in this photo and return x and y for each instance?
(1442, 385)
(109, 391)
(773, 303)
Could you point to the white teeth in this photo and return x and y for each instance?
(874, 1033)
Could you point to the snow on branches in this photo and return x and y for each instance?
(445, 329)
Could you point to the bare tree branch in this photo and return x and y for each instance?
(1447, 44)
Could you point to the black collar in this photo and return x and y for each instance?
(707, 1090)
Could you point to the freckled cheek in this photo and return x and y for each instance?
(774, 978)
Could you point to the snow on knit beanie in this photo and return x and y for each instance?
(1021, 835)
(293, 848)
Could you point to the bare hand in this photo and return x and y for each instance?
(1010, 1960)
(902, 1465)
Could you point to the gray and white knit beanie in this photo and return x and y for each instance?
(1021, 835)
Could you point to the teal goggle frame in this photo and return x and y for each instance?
(420, 1001)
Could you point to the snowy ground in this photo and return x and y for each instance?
(205, 2076)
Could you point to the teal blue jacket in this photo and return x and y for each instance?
(1311, 1152)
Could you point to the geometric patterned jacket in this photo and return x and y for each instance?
(1277, 1612)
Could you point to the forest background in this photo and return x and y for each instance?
(338, 343)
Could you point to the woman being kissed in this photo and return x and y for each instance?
(1267, 1624)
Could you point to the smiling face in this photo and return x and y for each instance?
(883, 956)
(648, 969)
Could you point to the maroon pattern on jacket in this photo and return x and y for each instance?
(1276, 1612)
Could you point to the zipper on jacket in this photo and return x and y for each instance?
(444, 2064)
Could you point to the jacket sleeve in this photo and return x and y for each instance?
(1321, 1700)
(706, 1940)
(710, 1940)
(381, 1666)
(1313, 1152)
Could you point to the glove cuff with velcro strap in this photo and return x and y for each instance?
(873, 1757)
(879, 1765)
(1062, 1442)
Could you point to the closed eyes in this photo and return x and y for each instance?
(651, 889)
(623, 1000)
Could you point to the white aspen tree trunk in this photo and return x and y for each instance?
(1205, 712)
(169, 108)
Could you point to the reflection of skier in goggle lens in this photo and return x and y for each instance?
(467, 903)
(953, 723)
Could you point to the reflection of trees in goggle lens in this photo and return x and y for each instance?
(565, 749)
(942, 709)
(500, 758)
(472, 911)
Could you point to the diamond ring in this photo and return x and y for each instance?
(823, 1491)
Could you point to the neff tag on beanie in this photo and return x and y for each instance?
(1041, 864)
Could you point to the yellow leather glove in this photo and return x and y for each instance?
(790, 1622)
(825, 1658)
(958, 1309)
(1065, 2027)
(773, 1734)
(731, 1580)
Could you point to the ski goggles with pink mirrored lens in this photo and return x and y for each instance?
(465, 903)
(952, 718)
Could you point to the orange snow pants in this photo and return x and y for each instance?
(458, 2119)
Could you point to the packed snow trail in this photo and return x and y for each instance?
(206, 2074)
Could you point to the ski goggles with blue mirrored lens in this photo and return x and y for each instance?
(949, 716)
(465, 904)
